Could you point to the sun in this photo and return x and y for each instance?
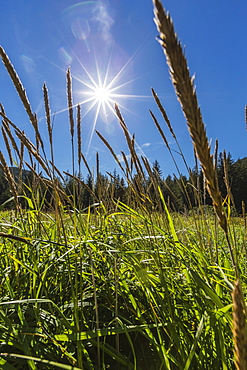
(101, 87)
(102, 94)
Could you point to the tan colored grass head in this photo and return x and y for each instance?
(186, 93)
(239, 327)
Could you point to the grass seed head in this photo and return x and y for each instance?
(239, 326)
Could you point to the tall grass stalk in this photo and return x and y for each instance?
(186, 94)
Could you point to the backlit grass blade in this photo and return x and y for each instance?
(40, 360)
(196, 339)
(85, 335)
(5, 365)
(208, 291)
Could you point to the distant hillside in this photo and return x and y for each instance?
(15, 171)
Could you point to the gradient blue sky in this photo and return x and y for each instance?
(44, 38)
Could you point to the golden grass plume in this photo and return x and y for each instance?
(239, 327)
(187, 97)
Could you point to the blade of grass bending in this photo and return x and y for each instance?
(40, 300)
(208, 291)
(17, 238)
(37, 359)
(89, 334)
(196, 339)
(170, 221)
(32, 271)
(221, 343)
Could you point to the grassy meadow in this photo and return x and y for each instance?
(118, 285)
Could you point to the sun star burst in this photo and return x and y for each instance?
(102, 94)
(102, 88)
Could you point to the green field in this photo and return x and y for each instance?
(119, 285)
(127, 290)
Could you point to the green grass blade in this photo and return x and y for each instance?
(196, 339)
(89, 334)
(43, 361)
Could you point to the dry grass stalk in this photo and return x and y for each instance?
(47, 113)
(32, 150)
(163, 112)
(2, 108)
(56, 170)
(239, 327)
(128, 169)
(160, 129)
(9, 177)
(154, 181)
(49, 124)
(21, 92)
(10, 136)
(161, 108)
(33, 170)
(110, 148)
(168, 147)
(14, 237)
(98, 178)
(37, 136)
(81, 182)
(216, 147)
(86, 164)
(226, 179)
(186, 94)
(21, 156)
(97, 165)
(47, 183)
(17, 83)
(70, 102)
(78, 124)
(71, 117)
(8, 121)
(246, 117)
(6, 142)
(126, 163)
(24, 141)
(137, 162)
(131, 143)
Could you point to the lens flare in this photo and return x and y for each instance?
(102, 87)
(102, 94)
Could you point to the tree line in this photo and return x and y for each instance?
(179, 192)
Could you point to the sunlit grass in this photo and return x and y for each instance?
(152, 293)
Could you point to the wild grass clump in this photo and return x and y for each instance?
(118, 284)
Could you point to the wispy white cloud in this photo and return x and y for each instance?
(120, 157)
(105, 21)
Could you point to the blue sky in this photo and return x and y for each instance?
(118, 38)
